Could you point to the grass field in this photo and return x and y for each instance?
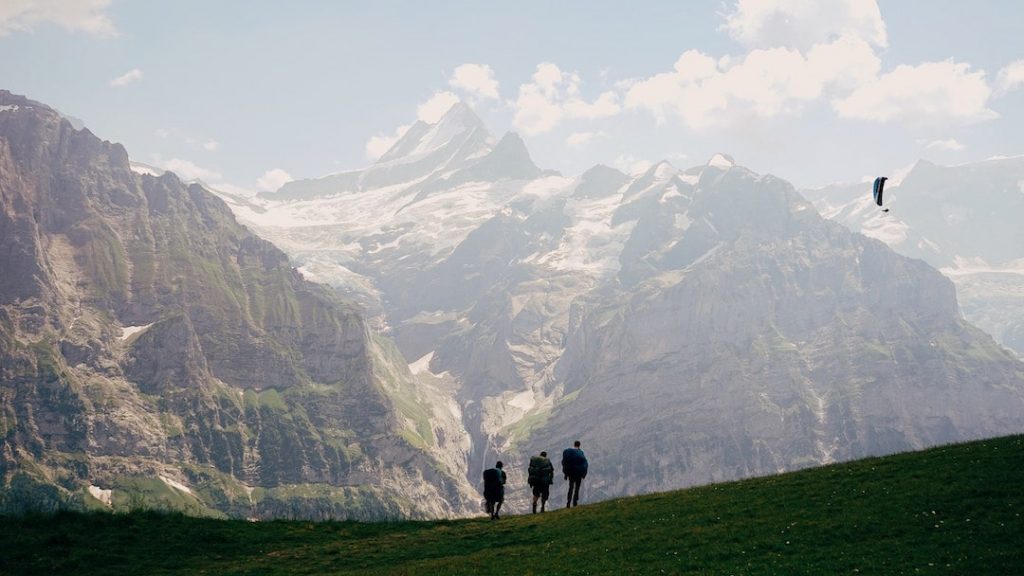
(949, 510)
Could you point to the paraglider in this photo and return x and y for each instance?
(877, 191)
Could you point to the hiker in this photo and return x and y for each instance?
(494, 489)
(541, 477)
(574, 469)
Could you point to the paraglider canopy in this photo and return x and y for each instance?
(877, 191)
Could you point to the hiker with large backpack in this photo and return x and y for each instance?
(574, 469)
(541, 477)
(494, 489)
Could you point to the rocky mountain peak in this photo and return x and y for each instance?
(723, 161)
(457, 126)
(508, 160)
(599, 182)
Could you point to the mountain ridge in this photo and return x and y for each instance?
(563, 308)
(158, 354)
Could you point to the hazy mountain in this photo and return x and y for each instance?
(155, 353)
(964, 220)
(687, 325)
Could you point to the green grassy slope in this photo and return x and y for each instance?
(949, 510)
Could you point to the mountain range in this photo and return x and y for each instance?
(963, 220)
(711, 312)
(364, 344)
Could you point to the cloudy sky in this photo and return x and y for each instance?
(248, 94)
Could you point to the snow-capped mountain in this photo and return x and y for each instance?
(710, 312)
(964, 220)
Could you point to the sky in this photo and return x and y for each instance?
(247, 95)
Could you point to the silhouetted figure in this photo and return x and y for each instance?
(574, 468)
(494, 489)
(541, 477)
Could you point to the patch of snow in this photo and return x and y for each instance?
(449, 127)
(707, 255)
(710, 225)
(98, 493)
(892, 232)
(664, 170)
(690, 179)
(129, 331)
(672, 192)
(176, 485)
(682, 221)
(545, 188)
(9, 107)
(590, 244)
(897, 176)
(967, 266)
(721, 161)
(146, 169)
(455, 410)
(422, 365)
(523, 401)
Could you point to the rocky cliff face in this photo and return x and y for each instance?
(964, 220)
(687, 325)
(155, 353)
(768, 339)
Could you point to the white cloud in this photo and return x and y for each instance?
(632, 165)
(211, 145)
(704, 92)
(233, 189)
(553, 95)
(433, 109)
(606, 104)
(577, 139)
(930, 92)
(1010, 77)
(73, 15)
(801, 24)
(476, 79)
(186, 169)
(377, 145)
(161, 132)
(273, 179)
(133, 75)
(950, 144)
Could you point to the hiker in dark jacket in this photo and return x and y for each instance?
(574, 468)
(541, 477)
(494, 489)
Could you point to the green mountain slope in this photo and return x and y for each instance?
(949, 510)
(155, 353)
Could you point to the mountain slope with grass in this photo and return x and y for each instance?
(156, 354)
(949, 510)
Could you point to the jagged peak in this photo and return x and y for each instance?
(602, 171)
(662, 170)
(457, 124)
(600, 181)
(723, 161)
(462, 113)
(511, 144)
